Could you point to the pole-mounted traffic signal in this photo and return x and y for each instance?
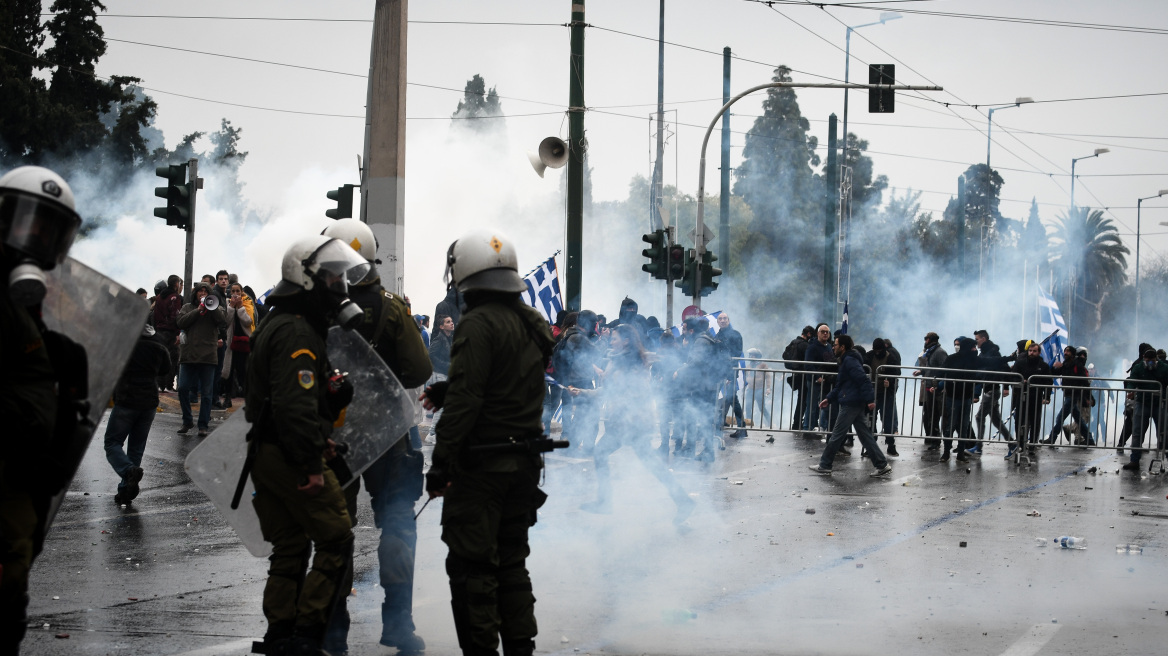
(177, 193)
(676, 262)
(685, 281)
(656, 254)
(884, 100)
(344, 197)
(709, 273)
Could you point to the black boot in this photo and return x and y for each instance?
(519, 648)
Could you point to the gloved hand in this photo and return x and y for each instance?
(434, 396)
(437, 481)
(340, 393)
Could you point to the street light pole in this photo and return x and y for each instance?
(1098, 152)
(982, 234)
(1139, 202)
(884, 18)
(699, 229)
(990, 124)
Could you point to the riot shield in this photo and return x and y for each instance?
(106, 319)
(379, 415)
(382, 410)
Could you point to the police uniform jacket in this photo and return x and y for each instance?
(496, 384)
(288, 371)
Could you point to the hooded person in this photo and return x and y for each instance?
(883, 363)
(960, 383)
(577, 359)
(1129, 405)
(1144, 384)
(994, 366)
(1027, 406)
(855, 395)
(135, 405)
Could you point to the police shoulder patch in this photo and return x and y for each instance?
(306, 378)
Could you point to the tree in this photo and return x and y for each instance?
(1090, 262)
(477, 103)
(777, 181)
(865, 190)
(20, 39)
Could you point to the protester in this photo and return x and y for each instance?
(884, 360)
(854, 393)
(197, 358)
(240, 325)
(165, 314)
(135, 404)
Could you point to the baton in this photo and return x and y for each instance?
(423, 508)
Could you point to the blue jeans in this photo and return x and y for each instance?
(852, 417)
(200, 380)
(134, 424)
(394, 483)
(813, 416)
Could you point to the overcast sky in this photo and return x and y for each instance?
(923, 145)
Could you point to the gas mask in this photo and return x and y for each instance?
(26, 283)
(334, 266)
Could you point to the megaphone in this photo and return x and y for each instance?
(211, 302)
(553, 153)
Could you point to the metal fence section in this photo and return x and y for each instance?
(1106, 413)
(784, 395)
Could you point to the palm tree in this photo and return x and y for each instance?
(1090, 261)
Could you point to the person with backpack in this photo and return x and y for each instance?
(793, 356)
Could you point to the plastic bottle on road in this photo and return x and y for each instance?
(678, 615)
(1129, 549)
(1068, 542)
(1040, 542)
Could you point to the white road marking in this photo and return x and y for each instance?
(241, 646)
(1034, 641)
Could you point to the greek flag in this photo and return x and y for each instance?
(543, 290)
(1050, 320)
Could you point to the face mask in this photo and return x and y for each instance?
(348, 315)
(26, 284)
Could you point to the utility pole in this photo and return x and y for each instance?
(383, 175)
(724, 194)
(830, 226)
(576, 150)
(655, 222)
(961, 227)
(195, 183)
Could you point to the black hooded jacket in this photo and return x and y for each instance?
(959, 385)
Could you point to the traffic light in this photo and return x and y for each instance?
(883, 101)
(656, 254)
(685, 281)
(676, 262)
(177, 193)
(344, 197)
(709, 273)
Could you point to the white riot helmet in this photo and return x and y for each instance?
(327, 266)
(483, 260)
(356, 233)
(37, 225)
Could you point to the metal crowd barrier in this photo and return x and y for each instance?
(1103, 416)
(776, 395)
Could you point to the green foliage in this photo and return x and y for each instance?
(476, 103)
(21, 38)
(1089, 262)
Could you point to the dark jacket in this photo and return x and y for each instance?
(1034, 372)
(440, 352)
(993, 364)
(962, 385)
(700, 376)
(1143, 378)
(166, 312)
(891, 361)
(289, 369)
(496, 380)
(820, 358)
(394, 334)
(731, 343)
(852, 386)
(450, 306)
(138, 387)
(202, 333)
(575, 356)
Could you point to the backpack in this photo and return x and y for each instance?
(792, 350)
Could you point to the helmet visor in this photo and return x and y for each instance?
(337, 265)
(37, 228)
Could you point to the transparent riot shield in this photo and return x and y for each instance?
(106, 319)
(379, 415)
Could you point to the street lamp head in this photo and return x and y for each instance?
(1023, 100)
(1100, 151)
(1163, 192)
(886, 16)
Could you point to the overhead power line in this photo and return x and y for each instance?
(292, 19)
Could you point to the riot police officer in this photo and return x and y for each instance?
(292, 405)
(37, 225)
(494, 395)
(394, 481)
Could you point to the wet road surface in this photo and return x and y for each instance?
(936, 559)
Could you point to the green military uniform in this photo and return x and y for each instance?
(495, 394)
(289, 369)
(28, 404)
(394, 481)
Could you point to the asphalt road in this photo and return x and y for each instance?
(936, 559)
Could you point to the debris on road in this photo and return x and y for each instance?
(810, 511)
(1034, 513)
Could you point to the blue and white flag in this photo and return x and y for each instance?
(844, 325)
(543, 290)
(1049, 321)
